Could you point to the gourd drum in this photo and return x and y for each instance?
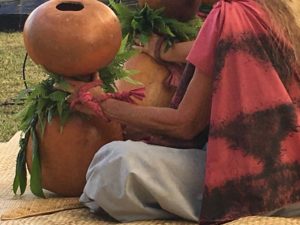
(150, 75)
(66, 155)
(72, 39)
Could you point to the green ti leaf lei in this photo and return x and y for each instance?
(44, 103)
(141, 23)
(115, 70)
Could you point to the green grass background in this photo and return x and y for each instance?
(12, 54)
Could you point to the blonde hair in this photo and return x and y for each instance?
(284, 18)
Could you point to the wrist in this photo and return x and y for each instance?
(107, 107)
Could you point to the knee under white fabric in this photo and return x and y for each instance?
(136, 181)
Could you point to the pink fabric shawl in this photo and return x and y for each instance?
(253, 153)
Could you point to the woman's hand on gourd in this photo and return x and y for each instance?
(72, 86)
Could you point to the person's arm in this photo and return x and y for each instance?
(177, 53)
(187, 121)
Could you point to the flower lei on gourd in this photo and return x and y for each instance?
(44, 101)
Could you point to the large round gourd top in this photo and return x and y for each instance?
(72, 38)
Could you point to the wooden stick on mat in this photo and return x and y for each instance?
(40, 207)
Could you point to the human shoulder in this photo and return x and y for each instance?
(233, 17)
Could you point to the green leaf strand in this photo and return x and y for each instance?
(20, 180)
(36, 177)
(141, 23)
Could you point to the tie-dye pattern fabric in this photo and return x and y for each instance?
(253, 154)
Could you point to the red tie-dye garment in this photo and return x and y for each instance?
(253, 153)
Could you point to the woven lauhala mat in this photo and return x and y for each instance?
(28, 209)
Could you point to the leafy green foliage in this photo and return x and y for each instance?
(182, 31)
(20, 179)
(125, 15)
(115, 70)
(36, 176)
(141, 23)
(42, 104)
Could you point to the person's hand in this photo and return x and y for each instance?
(84, 109)
(74, 86)
(150, 47)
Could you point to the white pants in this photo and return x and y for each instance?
(136, 181)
